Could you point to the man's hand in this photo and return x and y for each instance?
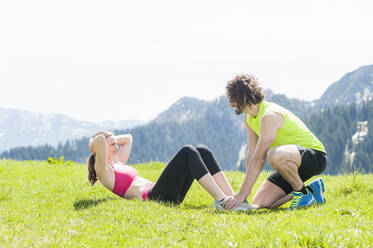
(231, 202)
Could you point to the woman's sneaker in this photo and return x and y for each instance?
(318, 189)
(243, 207)
(217, 205)
(300, 200)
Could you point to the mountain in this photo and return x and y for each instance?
(111, 125)
(347, 134)
(23, 128)
(214, 124)
(354, 87)
(186, 108)
(299, 107)
(345, 130)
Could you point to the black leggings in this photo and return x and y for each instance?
(189, 163)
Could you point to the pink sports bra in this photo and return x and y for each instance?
(124, 176)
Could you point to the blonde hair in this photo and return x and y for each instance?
(92, 175)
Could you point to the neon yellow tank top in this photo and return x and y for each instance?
(294, 131)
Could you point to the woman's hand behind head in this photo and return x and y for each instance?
(90, 146)
(95, 140)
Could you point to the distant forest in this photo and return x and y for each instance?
(223, 132)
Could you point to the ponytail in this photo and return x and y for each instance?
(92, 176)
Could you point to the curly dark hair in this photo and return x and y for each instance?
(244, 90)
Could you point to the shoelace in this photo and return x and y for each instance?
(295, 201)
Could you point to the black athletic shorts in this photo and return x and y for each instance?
(313, 163)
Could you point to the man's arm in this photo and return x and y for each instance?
(270, 123)
(252, 140)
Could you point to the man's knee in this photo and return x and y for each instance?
(281, 156)
(275, 158)
(263, 202)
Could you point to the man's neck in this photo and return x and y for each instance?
(253, 110)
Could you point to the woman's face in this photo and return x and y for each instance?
(112, 148)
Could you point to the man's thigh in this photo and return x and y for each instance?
(267, 194)
(280, 154)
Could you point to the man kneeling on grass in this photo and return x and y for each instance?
(293, 151)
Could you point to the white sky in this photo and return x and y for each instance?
(112, 60)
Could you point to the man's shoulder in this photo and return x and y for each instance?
(274, 107)
(273, 118)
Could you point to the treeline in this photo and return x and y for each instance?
(220, 129)
(335, 128)
(76, 150)
(217, 127)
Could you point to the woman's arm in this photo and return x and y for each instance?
(125, 142)
(98, 147)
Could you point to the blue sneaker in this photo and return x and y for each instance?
(318, 188)
(300, 200)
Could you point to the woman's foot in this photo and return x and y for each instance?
(243, 207)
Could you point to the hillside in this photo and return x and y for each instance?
(216, 126)
(53, 205)
(347, 133)
(354, 87)
(348, 147)
(187, 108)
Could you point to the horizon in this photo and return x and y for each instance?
(123, 61)
(146, 121)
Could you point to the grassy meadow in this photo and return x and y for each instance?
(51, 205)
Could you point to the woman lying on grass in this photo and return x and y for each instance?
(108, 165)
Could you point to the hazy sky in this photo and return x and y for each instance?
(111, 60)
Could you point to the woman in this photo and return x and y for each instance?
(108, 165)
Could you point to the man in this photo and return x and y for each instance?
(292, 150)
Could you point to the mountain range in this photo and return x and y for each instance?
(356, 86)
(193, 121)
(24, 128)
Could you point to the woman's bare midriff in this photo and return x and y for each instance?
(137, 187)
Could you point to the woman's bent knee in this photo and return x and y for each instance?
(188, 149)
(203, 149)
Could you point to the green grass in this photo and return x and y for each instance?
(44, 205)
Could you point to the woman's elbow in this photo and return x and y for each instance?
(130, 138)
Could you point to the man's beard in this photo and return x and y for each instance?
(238, 111)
